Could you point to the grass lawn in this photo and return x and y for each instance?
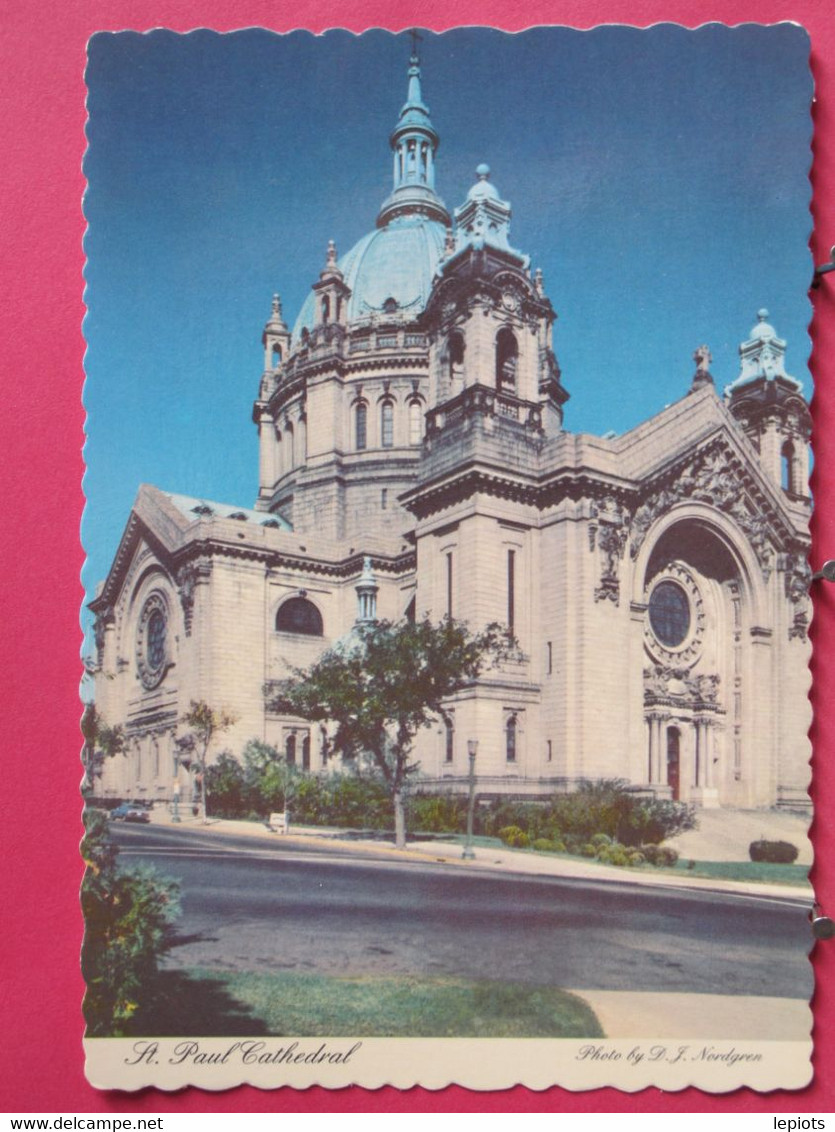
(756, 872)
(208, 1002)
(750, 872)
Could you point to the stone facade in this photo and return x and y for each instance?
(413, 460)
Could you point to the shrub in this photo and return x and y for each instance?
(613, 854)
(510, 835)
(543, 845)
(127, 916)
(773, 852)
(437, 813)
(588, 850)
(600, 839)
(611, 808)
(636, 858)
(226, 787)
(662, 856)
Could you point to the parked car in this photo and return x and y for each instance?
(130, 811)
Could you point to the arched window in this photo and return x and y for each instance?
(290, 450)
(510, 739)
(449, 750)
(787, 476)
(387, 424)
(298, 615)
(415, 422)
(326, 309)
(455, 355)
(361, 426)
(276, 355)
(290, 750)
(507, 357)
(306, 752)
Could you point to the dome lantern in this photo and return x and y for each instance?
(414, 142)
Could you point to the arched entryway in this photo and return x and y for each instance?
(698, 637)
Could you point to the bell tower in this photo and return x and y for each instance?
(490, 324)
(769, 405)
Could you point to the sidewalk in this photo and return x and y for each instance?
(492, 859)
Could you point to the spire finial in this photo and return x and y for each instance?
(702, 357)
(416, 39)
(277, 305)
(538, 282)
(331, 262)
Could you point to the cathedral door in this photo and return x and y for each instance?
(674, 761)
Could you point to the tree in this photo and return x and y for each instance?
(100, 742)
(204, 722)
(128, 917)
(386, 683)
(269, 777)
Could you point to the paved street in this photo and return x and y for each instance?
(271, 905)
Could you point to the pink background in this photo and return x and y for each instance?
(41, 423)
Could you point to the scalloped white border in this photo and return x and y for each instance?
(716, 1066)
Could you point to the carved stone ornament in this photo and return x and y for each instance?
(685, 655)
(676, 687)
(609, 534)
(187, 578)
(716, 480)
(798, 578)
(100, 629)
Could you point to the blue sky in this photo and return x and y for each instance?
(658, 177)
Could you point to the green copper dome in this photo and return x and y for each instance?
(397, 262)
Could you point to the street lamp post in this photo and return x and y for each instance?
(176, 813)
(472, 748)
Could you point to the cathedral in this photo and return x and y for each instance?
(414, 461)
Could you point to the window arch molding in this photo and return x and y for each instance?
(359, 422)
(298, 615)
(386, 410)
(507, 359)
(415, 409)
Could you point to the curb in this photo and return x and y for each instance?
(508, 862)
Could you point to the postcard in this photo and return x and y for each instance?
(447, 526)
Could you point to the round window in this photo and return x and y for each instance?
(669, 614)
(152, 641)
(156, 639)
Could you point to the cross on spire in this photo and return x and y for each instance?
(416, 39)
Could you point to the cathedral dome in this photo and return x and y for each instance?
(390, 271)
(396, 262)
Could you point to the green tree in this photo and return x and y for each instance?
(381, 687)
(204, 723)
(128, 915)
(269, 777)
(101, 742)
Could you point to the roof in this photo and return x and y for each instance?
(396, 262)
(193, 508)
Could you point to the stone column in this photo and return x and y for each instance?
(660, 768)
